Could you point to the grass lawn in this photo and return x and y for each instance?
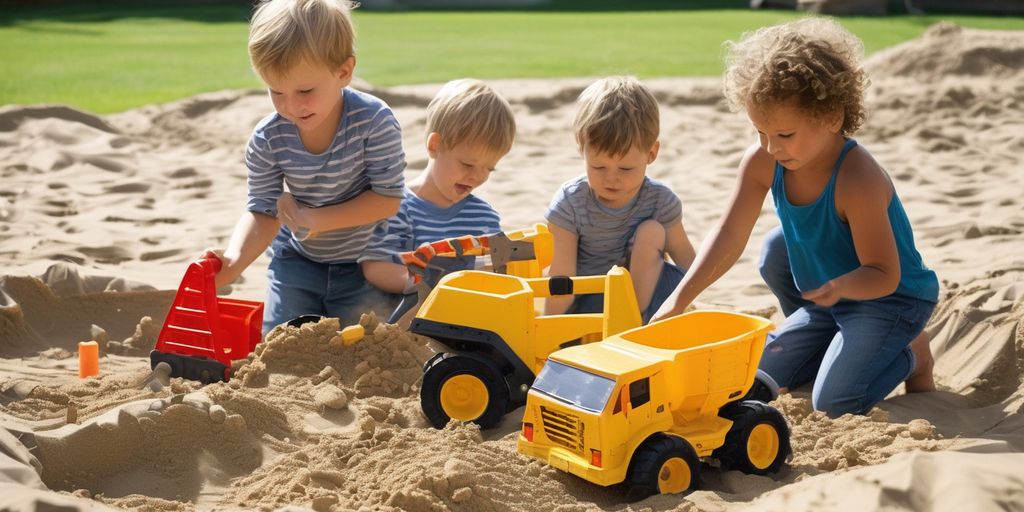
(107, 57)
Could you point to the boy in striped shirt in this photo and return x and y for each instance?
(615, 214)
(469, 129)
(339, 151)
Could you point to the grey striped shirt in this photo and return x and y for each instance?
(605, 233)
(366, 154)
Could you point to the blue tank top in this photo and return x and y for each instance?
(820, 245)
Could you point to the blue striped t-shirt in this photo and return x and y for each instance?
(604, 233)
(419, 221)
(366, 154)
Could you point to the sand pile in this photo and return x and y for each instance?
(310, 421)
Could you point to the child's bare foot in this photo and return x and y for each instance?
(921, 379)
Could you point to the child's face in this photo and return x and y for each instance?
(456, 171)
(796, 140)
(309, 94)
(615, 180)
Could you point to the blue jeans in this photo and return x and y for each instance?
(298, 286)
(669, 277)
(855, 352)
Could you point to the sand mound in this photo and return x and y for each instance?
(947, 50)
(61, 308)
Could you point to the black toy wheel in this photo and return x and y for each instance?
(764, 388)
(463, 388)
(758, 441)
(663, 464)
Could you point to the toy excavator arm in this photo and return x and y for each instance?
(527, 250)
(503, 247)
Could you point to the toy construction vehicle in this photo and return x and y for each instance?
(494, 343)
(644, 406)
(523, 253)
(203, 333)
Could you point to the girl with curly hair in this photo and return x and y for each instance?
(843, 264)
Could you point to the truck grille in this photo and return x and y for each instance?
(563, 429)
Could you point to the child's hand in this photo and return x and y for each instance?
(825, 296)
(222, 280)
(293, 215)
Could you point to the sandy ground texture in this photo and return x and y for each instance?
(309, 422)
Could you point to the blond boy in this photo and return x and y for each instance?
(338, 150)
(615, 214)
(469, 129)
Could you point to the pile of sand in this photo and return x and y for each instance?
(311, 421)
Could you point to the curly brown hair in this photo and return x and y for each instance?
(814, 61)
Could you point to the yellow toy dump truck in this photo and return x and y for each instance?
(494, 342)
(644, 406)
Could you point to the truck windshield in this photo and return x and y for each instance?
(584, 390)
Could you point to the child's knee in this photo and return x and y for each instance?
(774, 260)
(649, 234)
(837, 400)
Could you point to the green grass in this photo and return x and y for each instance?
(106, 57)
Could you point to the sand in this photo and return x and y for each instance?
(99, 216)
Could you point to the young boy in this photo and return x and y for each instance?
(338, 150)
(615, 214)
(469, 129)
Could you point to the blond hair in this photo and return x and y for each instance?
(285, 32)
(615, 114)
(469, 111)
(813, 61)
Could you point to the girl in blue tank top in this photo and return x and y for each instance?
(859, 292)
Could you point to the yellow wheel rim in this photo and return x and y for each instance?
(763, 446)
(464, 397)
(674, 476)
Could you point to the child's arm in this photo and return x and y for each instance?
(863, 195)
(366, 208)
(257, 227)
(563, 263)
(678, 246)
(378, 261)
(388, 276)
(385, 163)
(726, 241)
(252, 235)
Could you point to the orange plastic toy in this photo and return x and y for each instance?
(203, 333)
(88, 359)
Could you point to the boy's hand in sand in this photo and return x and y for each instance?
(294, 215)
(825, 296)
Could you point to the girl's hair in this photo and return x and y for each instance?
(284, 32)
(814, 61)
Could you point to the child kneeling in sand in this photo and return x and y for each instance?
(338, 150)
(615, 214)
(469, 129)
(864, 291)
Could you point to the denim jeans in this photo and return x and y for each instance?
(298, 286)
(855, 352)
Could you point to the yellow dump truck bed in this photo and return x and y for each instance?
(713, 355)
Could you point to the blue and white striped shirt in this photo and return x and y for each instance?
(366, 154)
(419, 221)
